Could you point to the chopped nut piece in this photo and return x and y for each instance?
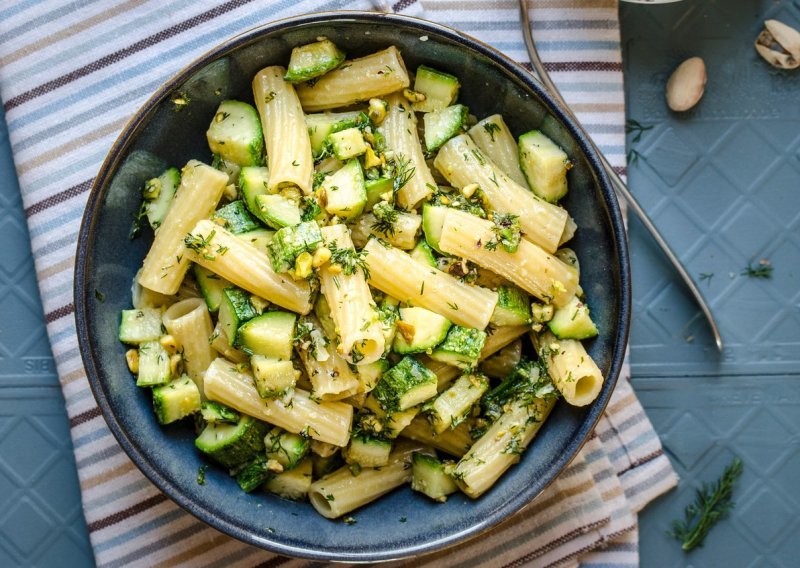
(406, 330)
(469, 190)
(413, 96)
(377, 110)
(302, 265)
(169, 344)
(371, 160)
(132, 357)
(321, 256)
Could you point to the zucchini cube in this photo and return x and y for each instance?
(236, 218)
(289, 242)
(347, 143)
(461, 348)
(235, 134)
(154, 367)
(544, 164)
(273, 377)
(139, 326)
(405, 385)
(513, 307)
(286, 448)
(312, 60)
(430, 478)
(231, 445)
(175, 400)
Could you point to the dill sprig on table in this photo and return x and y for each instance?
(712, 503)
(762, 270)
(637, 129)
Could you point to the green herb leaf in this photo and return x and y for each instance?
(349, 259)
(762, 270)
(712, 503)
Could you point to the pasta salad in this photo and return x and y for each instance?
(341, 298)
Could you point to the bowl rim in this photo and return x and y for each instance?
(109, 167)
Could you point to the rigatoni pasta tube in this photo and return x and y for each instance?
(455, 441)
(330, 375)
(400, 130)
(340, 492)
(199, 192)
(531, 268)
(463, 163)
(285, 131)
(356, 80)
(189, 323)
(241, 263)
(397, 274)
(361, 339)
(500, 447)
(495, 140)
(574, 372)
(324, 421)
(500, 337)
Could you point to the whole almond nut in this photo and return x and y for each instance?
(687, 84)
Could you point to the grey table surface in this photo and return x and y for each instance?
(722, 182)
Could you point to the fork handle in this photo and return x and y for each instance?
(619, 185)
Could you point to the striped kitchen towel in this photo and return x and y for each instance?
(73, 72)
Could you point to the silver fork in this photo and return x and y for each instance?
(616, 181)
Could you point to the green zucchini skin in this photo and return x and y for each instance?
(313, 60)
(405, 385)
(231, 445)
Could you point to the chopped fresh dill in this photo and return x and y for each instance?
(201, 245)
(762, 270)
(349, 259)
(491, 128)
(707, 276)
(636, 128)
(713, 502)
(136, 226)
(403, 171)
(201, 474)
(385, 218)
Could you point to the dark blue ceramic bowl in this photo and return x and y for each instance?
(162, 133)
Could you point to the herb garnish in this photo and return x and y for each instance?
(136, 226)
(707, 276)
(201, 245)
(491, 128)
(637, 129)
(402, 172)
(201, 475)
(349, 259)
(762, 270)
(713, 502)
(385, 218)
